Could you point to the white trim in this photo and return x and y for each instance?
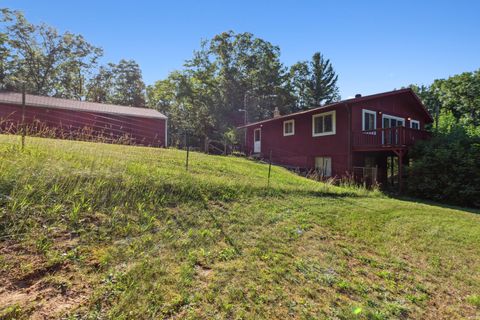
(393, 117)
(334, 127)
(292, 121)
(364, 111)
(414, 121)
(259, 140)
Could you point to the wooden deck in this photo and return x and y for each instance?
(387, 139)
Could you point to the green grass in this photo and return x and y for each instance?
(124, 232)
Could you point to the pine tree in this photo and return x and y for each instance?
(323, 84)
(314, 82)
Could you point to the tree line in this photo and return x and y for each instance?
(237, 77)
(62, 65)
(230, 78)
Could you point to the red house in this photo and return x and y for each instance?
(72, 119)
(355, 136)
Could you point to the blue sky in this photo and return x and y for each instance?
(374, 45)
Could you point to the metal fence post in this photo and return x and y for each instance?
(186, 162)
(269, 169)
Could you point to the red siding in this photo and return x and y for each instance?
(300, 149)
(399, 106)
(142, 131)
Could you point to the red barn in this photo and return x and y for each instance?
(82, 120)
(355, 136)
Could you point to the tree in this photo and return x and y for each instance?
(461, 95)
(47, 62)
(229, 72)
(250, 74)
(100, 86)
(120, 84)
(314, 82)
(128, 86)
(445, 168)
(458, 95)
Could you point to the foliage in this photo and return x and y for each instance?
(446, 168)
(136, 236)
(314, 83)
(120, 84)
(229, 72)
(48, 62)
(62, 65)
(458, 95)
(234, 73)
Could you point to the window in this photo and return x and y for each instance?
(415, 124)
(323, 124)
(392, 121)
(289, 127)
(256, 135)
(369, 120)
(323, 165)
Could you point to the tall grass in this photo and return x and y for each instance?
(59, 180)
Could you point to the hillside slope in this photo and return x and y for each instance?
(115, 232)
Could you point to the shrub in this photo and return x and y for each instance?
(446, 168)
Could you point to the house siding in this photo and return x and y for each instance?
(299, 150)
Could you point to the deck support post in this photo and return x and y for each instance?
(392, 171)
(400, 172)
(400, 153)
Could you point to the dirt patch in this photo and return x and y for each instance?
(33, 288)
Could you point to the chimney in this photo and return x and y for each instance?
(358, 95)
(276, 113)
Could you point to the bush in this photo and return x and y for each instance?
(446, 168)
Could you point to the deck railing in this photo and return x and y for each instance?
(388, 137)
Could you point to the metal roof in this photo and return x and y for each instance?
(75, 105)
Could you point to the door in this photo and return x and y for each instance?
(391, 122)
(257, 137)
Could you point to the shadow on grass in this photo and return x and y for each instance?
(435, 203)
(320, 193)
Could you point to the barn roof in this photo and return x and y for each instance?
(406, 91)
(75, 105)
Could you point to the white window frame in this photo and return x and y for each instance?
(292, 121)
(364, 111)
(414, 121)
(334, 126)
(392, 117)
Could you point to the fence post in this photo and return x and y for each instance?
(23, 115)
(186, 162)
(269, 169)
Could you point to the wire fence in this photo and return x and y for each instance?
(85, 126)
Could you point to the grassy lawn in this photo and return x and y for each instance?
(96, 231)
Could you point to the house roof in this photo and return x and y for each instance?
(75, 105)
(352, 100)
